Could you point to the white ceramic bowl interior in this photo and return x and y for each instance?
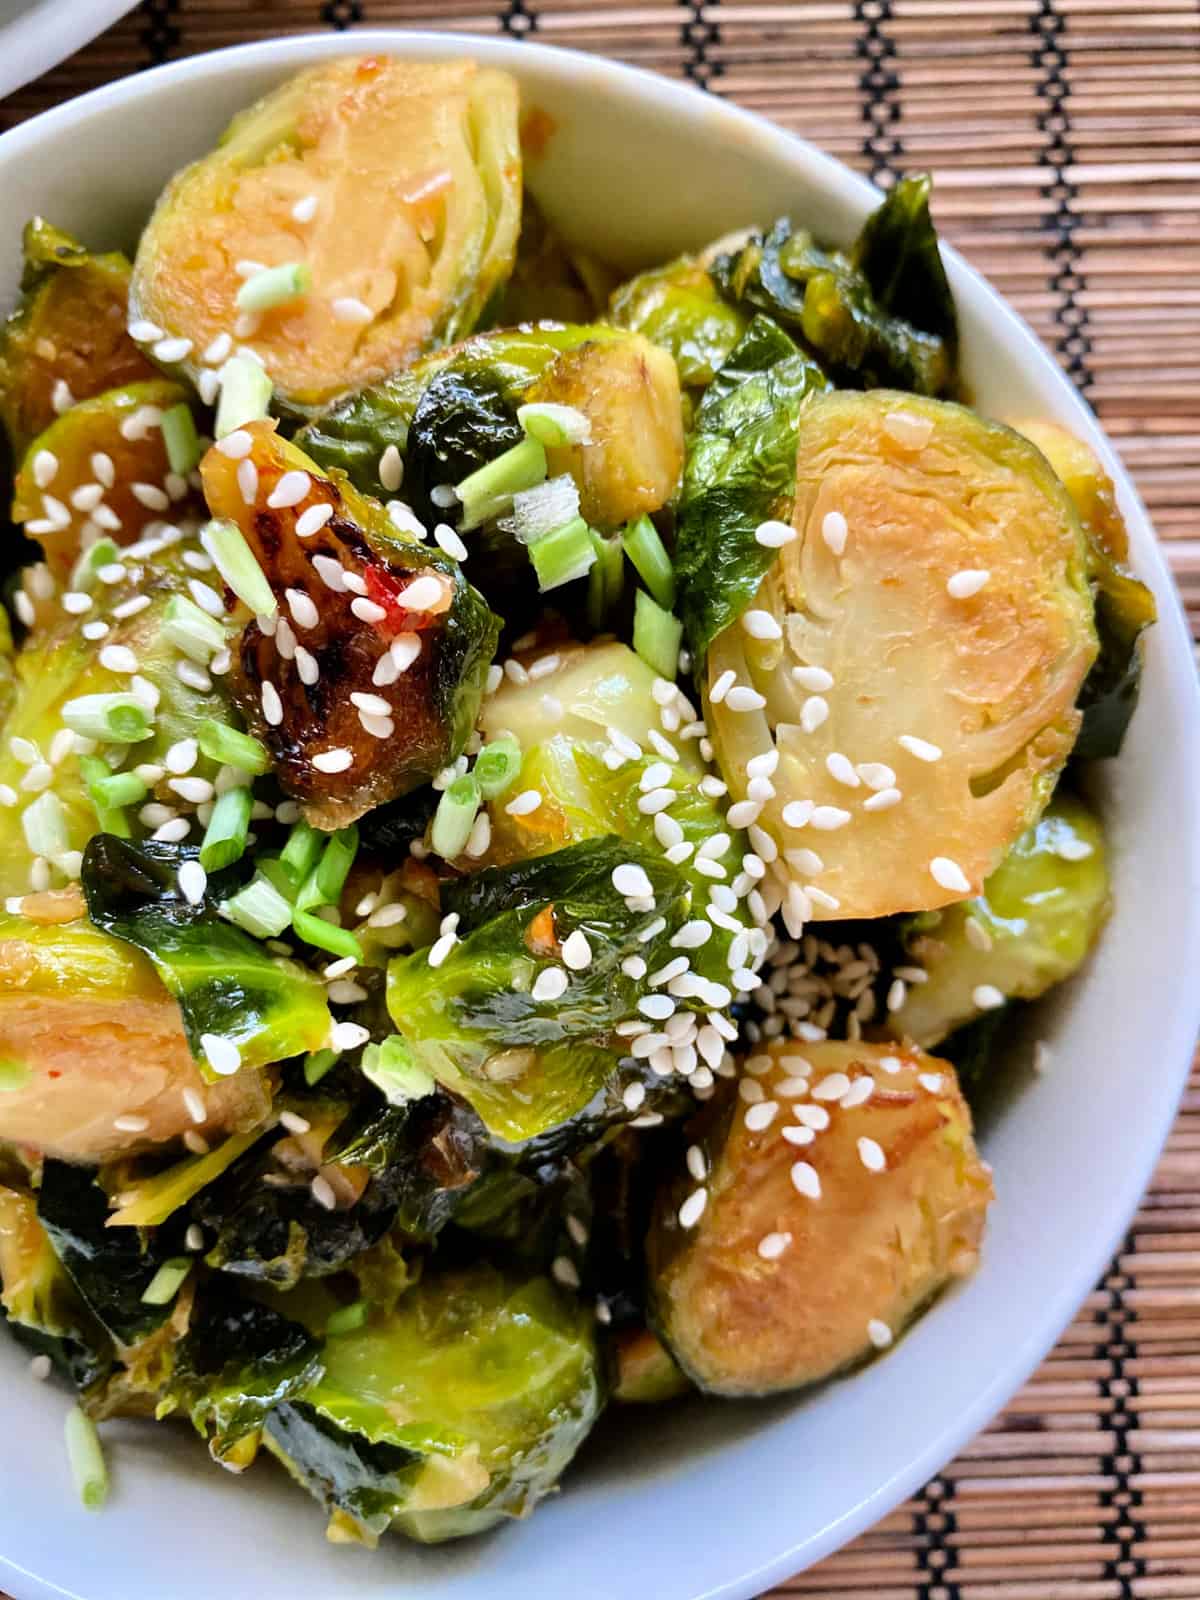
(706, 1499)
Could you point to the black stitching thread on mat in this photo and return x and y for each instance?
(934, 1523)
(1126, 1530)
(341, 14)
(518, 19)
(699, 35)
(1073, 343)
(160, 31)
(879, 85)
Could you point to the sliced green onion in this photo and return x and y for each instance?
(324, 935)
(232, 748)
(191, 630)
(549, 505)
(114, 718)
(274, 286)
(554, 425)
(336, 860)
(562, 556)
(44, 823)
(225, 837)
(259, 908)
(497, 765)
(649, 555)
(97, 555)
(238, 565)
(657, 636)
(180, 439)
(108, 789)
(455, 816)
(166, 1282)
(86, 1459)
(391, 1068)
(348, 1319)
(317, 1063)
(245, 394)
(490, 489)
(302, 851)
(606, 580)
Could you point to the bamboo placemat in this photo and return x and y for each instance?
(1064, 136)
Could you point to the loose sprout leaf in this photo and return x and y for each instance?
(394, 596)
(69, 328)
(415, 170)
(226, 983)
(866, 1245)
(461, 1407)
(524, 1064)
(959, 709)
(741, 472)
(678, 308)
(1040, 912)
(897, 253)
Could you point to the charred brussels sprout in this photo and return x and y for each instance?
(1034, 923)
(396, 184)
(918, 648)
(1124, 605)
(67, 339)
(370, 680)
(881, 316)
(678, 308)
(124, 426)
(461, 1407)
(809, 1255)
(40, 1303)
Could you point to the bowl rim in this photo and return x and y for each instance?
(36, 40)
(1181, 687)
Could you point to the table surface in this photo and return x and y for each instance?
(1064, 138)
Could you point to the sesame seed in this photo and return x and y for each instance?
(834, 531)
(391, 469)
(949, 875)
(1073, 850)
(193, 880)
(550, 984)
(931, 1081)
(692, 1208)
(421, 593)
(627, 879)
(373, 704)
(292, 487)
(883, 800)
(236, 445)
(75, 603)
(962, 585)
(171, 350)
(302, 607)
(61, 398)
(832, 1087)
(744, 812)
(339, 759)
(194, 790)
(348, 1035)
(322, 1192)
(772, 1245)
(805, 1180)
(841, 769)
(193, 1101)
(773, 534)
(305, 210)
(564, 1271)
(761, 625)
(897, 994)
(576, 951)
(761, 1116)
(634, 967)
(859, 1092)
(347, 308)
(307, 666)
(222, 1054)
(523, 804)
(658, 1007)
(247, 481)
(921, 748)
(90, 630)
(743, 698)
(272, 705)
(143, 331)
(216, 353)
(657, 800)
(798, 813)
(870, 1153)
(879, 1333)
(813, 713)
(910, 431)
(312, 519)
(890, 1064)
(692, 935)
(679, 853)
(667, 831)
(987, 997)
(131, 1124)
(722, 687)
(829, 818)
(712, 786)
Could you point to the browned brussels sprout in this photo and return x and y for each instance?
(368, 680)
(549, 278)
(67, 339)
(393, 188)
(678, 308)
(824, 1226)
(647, 1374)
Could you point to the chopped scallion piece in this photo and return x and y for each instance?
(554, 425)
(302, 851)
(455, 816)
(100, 554)
(391, 1068)
(317, 1063)
(538, 511)
(259, 908)
(657, 636)
(166, 1282)
(649, 555)
(86, 1459)
(238, 565)
(44, 823)
(497, 766)
(232, 748)
(191, 630)
(225, 837)
(112, 718)
(180, 439)
(245, 394)
(347, 1319)
(274, 286)
(606, 580)
(336, 860)
(562, 556)
(109, 790)
(324, 935)
(490, 489)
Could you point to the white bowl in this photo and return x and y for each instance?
(36, 35)
(706, 1499)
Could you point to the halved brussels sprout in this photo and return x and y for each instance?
(90, 1038)
(914, 655)
(550, 278)
(137, 472)
(1125, 607)
(678, 308)
(461, 1407)
(1035, 921)
(370, 680)
(67, 339)
(396, 183)
(824, 1232)
(39, 1302)
(646, 1372)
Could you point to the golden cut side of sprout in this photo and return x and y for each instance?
(937, 592)
(397, 184)
(789, 1277)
